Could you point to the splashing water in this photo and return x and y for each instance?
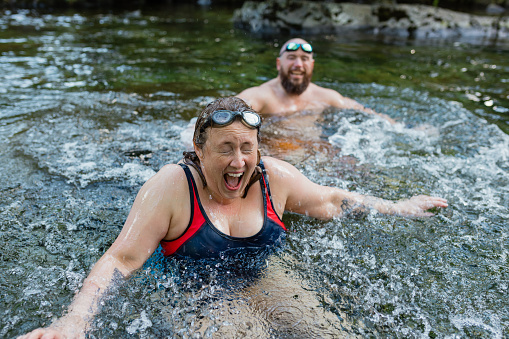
(84, 122)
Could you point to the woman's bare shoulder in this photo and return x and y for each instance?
(169, 177)
(279, 169)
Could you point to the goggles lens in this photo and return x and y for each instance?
(293, 46)
(224, 117)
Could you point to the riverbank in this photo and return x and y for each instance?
(401, 20)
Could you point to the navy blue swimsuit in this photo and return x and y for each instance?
(202, 240)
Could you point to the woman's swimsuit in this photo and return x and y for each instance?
(202, 240)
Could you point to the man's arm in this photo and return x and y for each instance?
(148, 222)
(300, 195)
(340, 101)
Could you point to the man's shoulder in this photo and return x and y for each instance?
(258, 97)
(265, 87)
(315, 89)
(323, 94)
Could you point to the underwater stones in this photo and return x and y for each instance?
(412, 21)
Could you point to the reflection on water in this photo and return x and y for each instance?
(93, 105)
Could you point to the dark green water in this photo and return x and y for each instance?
(92, 105)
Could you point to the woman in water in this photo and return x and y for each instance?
(216, 201)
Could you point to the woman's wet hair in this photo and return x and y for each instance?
(227, 103)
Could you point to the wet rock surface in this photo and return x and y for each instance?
(410, 21)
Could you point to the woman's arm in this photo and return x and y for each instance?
(338, 202)
(292, 191)
(148, 222)
(85, 303)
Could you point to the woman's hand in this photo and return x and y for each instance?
(44, 333)
(68, 327)
(418, 206)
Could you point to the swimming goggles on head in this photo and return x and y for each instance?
(224, 118)
(293, 46)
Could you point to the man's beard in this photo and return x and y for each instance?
(292, 88)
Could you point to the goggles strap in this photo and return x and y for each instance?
(257, 174)
(191, 159)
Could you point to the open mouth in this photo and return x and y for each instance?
(233, 180)
(297, 75)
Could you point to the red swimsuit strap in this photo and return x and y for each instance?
(271, 212)
(196, 221)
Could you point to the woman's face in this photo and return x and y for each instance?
(228, 159)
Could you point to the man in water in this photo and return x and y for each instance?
(292, 90)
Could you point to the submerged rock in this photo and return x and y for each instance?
(412, 21)
(494, 9)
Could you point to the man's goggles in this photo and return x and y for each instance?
(293, 46)
(224, 118)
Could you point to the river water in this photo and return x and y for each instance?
(93, 104)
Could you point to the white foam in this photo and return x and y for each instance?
(139, 324)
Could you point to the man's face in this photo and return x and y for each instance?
(295, 69)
